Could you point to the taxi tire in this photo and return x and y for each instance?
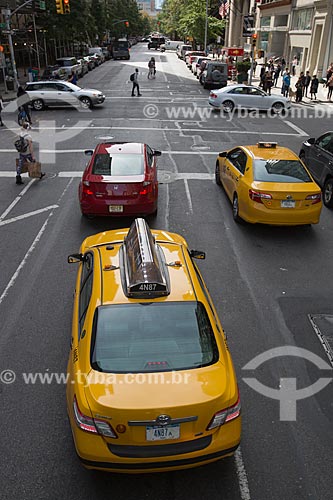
(217, 175)
(235, 208)
(328, 193)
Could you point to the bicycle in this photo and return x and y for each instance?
(151, 73)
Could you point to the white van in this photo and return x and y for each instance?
(172, 44)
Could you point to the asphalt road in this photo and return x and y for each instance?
(265, 282)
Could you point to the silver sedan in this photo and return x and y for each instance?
(248, 97)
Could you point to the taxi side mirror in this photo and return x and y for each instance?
(89, 152)
(74, 258)
(197, 254)
(223, 154)
(157, 153)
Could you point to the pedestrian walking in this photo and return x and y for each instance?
(293, 66)
(26, 152)
(286, 83)
(283, 64)
(1, 108)
(314, 87)
(268, 82)
(135, 76)
(262, 76)
(23, 102)
(152, 68)
(277, 74)
(307, 80)
(329, 85)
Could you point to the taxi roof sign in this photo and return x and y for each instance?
(144, 271)
(271, 145)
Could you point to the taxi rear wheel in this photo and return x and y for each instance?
(217, 174)
(328, 193)
(235, 209)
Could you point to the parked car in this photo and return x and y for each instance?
(181, 49)
(268, 184)
(90, 62)
(97, 60)
(170, 45)
(247, 96)
(120, 180)
(191, 54)
(54, 73)
(69, 64)
(196, 65)
(120, 49)
(317, 155)
(98, 51)
(215, 75)
(84, 67)
(59, 93)
(202, 66)
(106, 53)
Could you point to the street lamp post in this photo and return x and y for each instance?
(206, 27)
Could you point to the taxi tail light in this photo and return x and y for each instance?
(226, 415)
(92, 425)
(258, 196)
(315, 198)
(146, 189)
(86, 188)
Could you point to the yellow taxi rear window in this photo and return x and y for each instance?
(149, 337)
(273, 170)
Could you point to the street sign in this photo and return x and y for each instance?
(248, 25)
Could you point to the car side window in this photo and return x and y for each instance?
(324, 142)
(239, 90)
(85, 288)
(238, 158)
(62, 88)
(254, 91)
(150, 157)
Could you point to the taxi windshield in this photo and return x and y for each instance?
(118, 165)
(151, 337)
(273, 170)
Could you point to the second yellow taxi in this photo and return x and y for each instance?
(268, 184)
(151, 383)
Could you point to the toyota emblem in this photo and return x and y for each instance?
(163, 419)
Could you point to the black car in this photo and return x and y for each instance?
(155, 42)
(317, 155)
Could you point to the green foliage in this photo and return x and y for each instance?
(243, 66)
(186, 18)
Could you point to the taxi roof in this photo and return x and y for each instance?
(277, 153)
(113, 148)
(109, 243)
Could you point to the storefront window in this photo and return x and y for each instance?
(265, 21)
(302, 19)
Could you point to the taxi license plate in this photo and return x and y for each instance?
(288, 204)
(162, 433)
(116, 208)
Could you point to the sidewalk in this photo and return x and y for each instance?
(321, 94)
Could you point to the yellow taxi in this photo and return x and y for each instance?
(268, 184)
(151, 383)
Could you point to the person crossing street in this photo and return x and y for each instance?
(135, 83)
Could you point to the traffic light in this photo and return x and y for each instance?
(67, 7)
(126, 24)
(59, 6)
(254, 40)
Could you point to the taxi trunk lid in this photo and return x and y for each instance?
(187, 401)
(284, 195)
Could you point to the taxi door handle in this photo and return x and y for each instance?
(237, 179)
(228, 168)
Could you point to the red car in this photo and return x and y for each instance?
(120, 180)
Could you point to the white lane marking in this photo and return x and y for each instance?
(18, 197)
(28, 214)
(297, 129)
(188, 196)
(31, 249)
(242, 476)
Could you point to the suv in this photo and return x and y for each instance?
(159, 390)
(156, 42)
(69, 64)
(215, 75)
(59, 93)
